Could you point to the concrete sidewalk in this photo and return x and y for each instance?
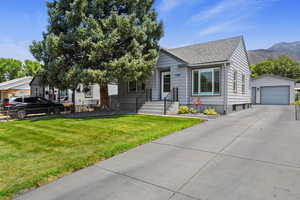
(248, 155)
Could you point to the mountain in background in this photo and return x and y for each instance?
(290, 49)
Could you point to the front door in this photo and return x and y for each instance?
(165, 84)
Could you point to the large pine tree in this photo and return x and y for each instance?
(98, 41)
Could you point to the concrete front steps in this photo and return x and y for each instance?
(157, 108)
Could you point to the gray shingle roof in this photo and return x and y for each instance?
(274, 76)
(215, 51)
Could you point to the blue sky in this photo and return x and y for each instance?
(261, 22)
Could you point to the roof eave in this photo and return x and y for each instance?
(274, 76)
(205, 64)
(241, 40)
(33, 78)
(173, 55)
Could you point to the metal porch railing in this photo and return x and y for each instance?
(170, 99)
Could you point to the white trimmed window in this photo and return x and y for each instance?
(206, 81)
(243, 84)
(235, 81)
(88, 91)
(63, 93)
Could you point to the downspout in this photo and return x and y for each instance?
(225, 89)
(186, 86)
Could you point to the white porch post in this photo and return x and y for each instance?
(187, 98)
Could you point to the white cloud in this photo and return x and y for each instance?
(231, 8)
(222, 27)
(213, 29)
(12, 49)
(228, 15)
(168, 5)
(222, 8)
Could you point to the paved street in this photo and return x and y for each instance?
(248, 155)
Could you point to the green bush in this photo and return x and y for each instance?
(297, 102)
(210, 111)
(193, 111)
(298, 96)
(186, 110)
(183, 110)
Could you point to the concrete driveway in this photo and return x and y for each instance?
(248, 155)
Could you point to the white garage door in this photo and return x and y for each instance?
(277, 95)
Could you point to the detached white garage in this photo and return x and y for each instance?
(273, 90)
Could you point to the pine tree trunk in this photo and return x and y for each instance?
(53, 95)
(104, 98)
(73, 100)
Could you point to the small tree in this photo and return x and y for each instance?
(31, 68)
(10, 69)
(99, 41)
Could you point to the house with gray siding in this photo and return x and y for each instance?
(217, 73)
(84, 95)
(297, 87)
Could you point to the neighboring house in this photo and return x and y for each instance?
(85, 95)
(215, 72)
(297, 87)
(15, 87)
(297, 91)
(273, 90)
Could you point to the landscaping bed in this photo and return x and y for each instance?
(35, 152)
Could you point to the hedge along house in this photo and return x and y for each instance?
(215, 72)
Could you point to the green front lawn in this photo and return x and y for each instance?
(33, 153)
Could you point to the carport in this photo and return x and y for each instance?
(273, 90)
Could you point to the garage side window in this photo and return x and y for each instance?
(243, 84)
(235, 74)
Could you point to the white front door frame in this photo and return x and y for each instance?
(164, 80)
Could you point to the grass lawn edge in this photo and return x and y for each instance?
(53, 175)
